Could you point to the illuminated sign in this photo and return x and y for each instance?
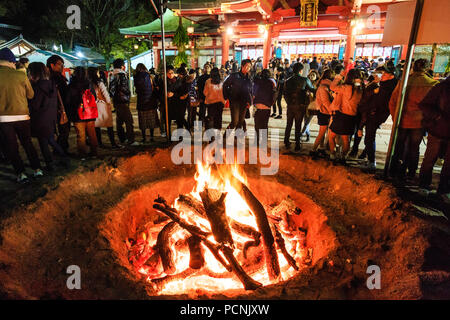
(309, 13)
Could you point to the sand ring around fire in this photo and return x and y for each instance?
(353, 221)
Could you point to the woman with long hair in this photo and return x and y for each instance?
(264, 91)
(345, 109)
(147, 101)
(323, 100)
(79, 86)
(43, 112)
(313, 75)
(104, 106)
(214, 100)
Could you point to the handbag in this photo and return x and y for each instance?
(63, 119)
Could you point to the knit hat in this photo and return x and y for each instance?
(7, 55)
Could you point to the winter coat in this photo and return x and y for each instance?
(295, 90)
(43, 109)
(324, 97)
(119, 87)
(376, 107)
(419, 84)
(74, 99)
(281, 78)
(144, 91)
(264, 91)
(15, 89)
(348, 99)
(213, 92)
(436, 110)
(237, 88)
(104, 107)
(61, 84)
(201, 85)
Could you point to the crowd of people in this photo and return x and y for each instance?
(350, 103)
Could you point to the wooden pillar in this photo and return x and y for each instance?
(267, 48)
(350, 44)
(156, 54)
(225, 47)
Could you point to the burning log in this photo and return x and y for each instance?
(270, 252)
(196, 258)
(189, 203)
(247, 281)
(159, 283)
(164, 248)
(214, 203)
(281, 245)
(249, 244)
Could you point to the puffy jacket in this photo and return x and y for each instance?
(144, 91)
(436, 110)
(419, 84)
(213, 93)
(119, 87)
(43, 108)
(323, 96)
(237, 88)
(295, 90)
(348, 99)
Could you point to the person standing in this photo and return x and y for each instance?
(237, 88)
(295, 93)
(214, 100)
(104, 107)
(15, 89)
(80, 87)
(56, 66)
(264, 91)
(201, 86)
(146, 102)
(324, 98)
(436, 119)
(43, 112)
(182, 95)
(345, 108)
(375, 109)
(309, 114)
(410, 131)
(120, 93)
(281, 78)
(314, 65)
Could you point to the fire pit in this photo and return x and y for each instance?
(333, 222)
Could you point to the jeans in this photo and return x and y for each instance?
(10, 131)
(294, 113)
(123, 116)
(237, 115)
(369, 140)
(44, 143)
(214, 119)
(278, 102)
(83, 129)
(434, 148)
(261, 121)
(406, 153)
(307, 120)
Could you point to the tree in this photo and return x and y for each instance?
(181, 40)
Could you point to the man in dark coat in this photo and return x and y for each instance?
(201, 86)
(237, 89)
(436, 120)
(295, 94)
(56, 66)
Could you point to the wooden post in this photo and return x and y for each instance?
(225, 47)
(267, 49)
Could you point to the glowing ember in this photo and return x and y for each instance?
(176, 260)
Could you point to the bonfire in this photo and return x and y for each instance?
(219, 237)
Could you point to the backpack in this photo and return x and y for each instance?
(88, 108)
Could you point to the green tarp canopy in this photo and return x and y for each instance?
(170, 25)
